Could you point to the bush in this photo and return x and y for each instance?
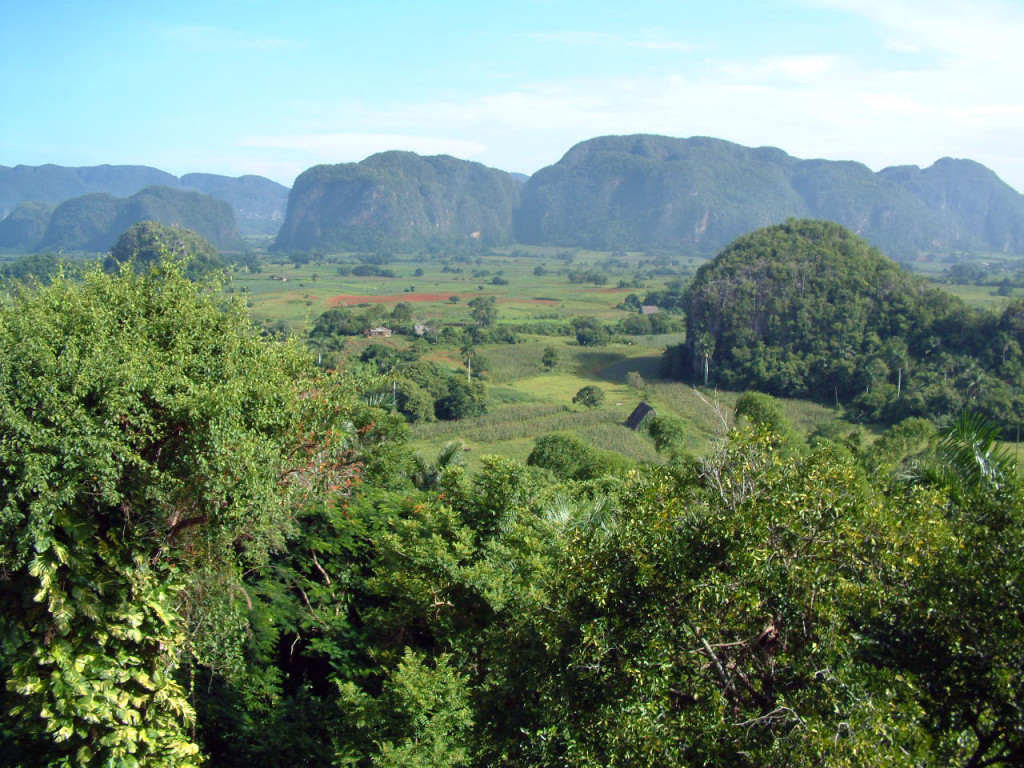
(590, 396)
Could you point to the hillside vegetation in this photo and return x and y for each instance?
(807, 309)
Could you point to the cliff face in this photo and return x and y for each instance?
(642, 192)
(259, 203)
(396, 200)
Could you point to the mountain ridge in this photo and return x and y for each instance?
(94, 221)
(632, 192)
(259, 202)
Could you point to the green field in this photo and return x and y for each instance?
(524, 400)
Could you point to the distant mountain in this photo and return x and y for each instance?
(397, 200)
(54, 184)
(980, 211)
(259, 203)
(695, 195)
(641, 192)
(94, 222)
(24, 228)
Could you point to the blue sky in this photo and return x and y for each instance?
(272, 88)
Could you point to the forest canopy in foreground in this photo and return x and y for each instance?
(213, 551)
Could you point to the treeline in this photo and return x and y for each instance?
(211, 550)
(806, 309)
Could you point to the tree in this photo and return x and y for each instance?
(766, 412)
(154, 447)
(464, 400)
(704, 346)
(668, 432)
(635, 325)
(483, 311)
(401, 315)
(590, 332)
(636, 382)
(146, 243)
(427, 474)
(569, 457)
(549, 359)
(590, 396)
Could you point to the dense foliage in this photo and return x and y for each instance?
(143, 245)
(212, 551)
(153, 450)
(807, 309)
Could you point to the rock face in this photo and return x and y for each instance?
(259, 203)
(94, 222)
(696, 195)
(399, 200)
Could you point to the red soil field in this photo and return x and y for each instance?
(394, 299)
(349, 299)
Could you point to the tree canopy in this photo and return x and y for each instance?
(212, 551)
(143, 245)
(154, 446)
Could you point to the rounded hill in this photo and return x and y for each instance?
(801, 309)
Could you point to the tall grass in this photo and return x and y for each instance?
(603, 428)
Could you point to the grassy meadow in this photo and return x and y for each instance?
(532, 291)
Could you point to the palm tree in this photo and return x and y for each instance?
(426, 474)
(968, 457)
(705, 348)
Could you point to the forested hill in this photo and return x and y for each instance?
(808, 309)
(93, 222)
(699, 194)
(399, 199)
(259, 203)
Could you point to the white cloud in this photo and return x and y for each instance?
(804, 68)
(959, 97)
(808, 107)
(651, 42)
(359, 145)
(220, 39)
(986, 32)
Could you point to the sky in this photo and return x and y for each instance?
(272, 88)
